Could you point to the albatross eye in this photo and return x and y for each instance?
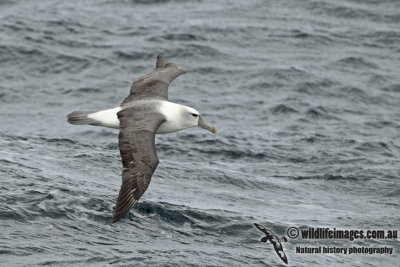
(195, 115)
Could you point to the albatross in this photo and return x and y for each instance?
(145, 112)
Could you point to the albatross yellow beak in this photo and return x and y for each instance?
(206, 126)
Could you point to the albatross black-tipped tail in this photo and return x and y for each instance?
(81, 118)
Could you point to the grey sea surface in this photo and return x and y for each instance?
(305, 95)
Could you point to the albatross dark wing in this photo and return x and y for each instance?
(138, 153)
(155, 84)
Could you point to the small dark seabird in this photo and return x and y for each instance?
(144, 113)
(275, 241)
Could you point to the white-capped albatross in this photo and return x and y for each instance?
(145, 112)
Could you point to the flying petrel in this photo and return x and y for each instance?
(144, 113)
(275, 241)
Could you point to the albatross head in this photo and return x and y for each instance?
(193, 118)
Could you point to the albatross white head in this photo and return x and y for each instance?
(193, 118)
(179, 117)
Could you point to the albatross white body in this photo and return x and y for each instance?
(173, 113)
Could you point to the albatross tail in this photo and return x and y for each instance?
(81, 118)
(105, 118)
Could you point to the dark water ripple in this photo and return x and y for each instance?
(305, 96)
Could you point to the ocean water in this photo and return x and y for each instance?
(305, 95)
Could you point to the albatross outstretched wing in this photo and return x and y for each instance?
(138, 153)
(154, 85)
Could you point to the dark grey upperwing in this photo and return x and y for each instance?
(138, 153)
(154, 85)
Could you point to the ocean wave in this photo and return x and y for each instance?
(177, 37)
(196, 50)
(320, 112)
(175, 214)
(304, 94)
(67, 204)
(150, 2)
(327, 177)
(392, 88)
(7, 2)
(374, 147)
(305, 39)
(290, 74)
(315, 87)
(283, 109)
(345, 11)
(79, 91)
(133, 55)
(356, 63)
(386, 38)
(383, 124)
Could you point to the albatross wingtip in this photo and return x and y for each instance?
(161, 61)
